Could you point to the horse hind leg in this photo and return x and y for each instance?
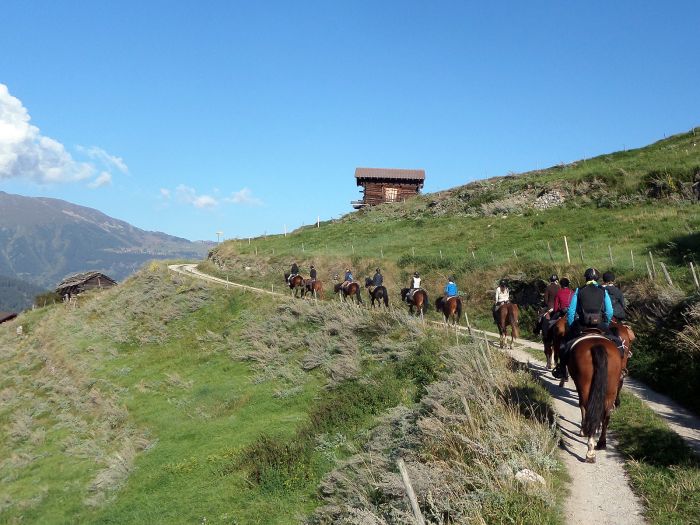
(602, 441)
(590, 453)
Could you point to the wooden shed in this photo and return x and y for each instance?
(81, 282)
(387, 185)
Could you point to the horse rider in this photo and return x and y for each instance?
(616, 297)
(378, 278)
(347, 279)
(312, 273)
(590, 307)
(563, 299)
(550, 295)
(415, 285)
(293, 272)
(451, 288)
(502, 297)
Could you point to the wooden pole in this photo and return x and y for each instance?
(653, 267)
(695, 277)
(256, 250)
(612, 263)
(409, 492)
(666, 274)
(440, 254)
(549, 249)
(466, 318)
(318, 221)
(566, 246)
(413, 251)
(473, 256)
(353, 248)
(381, 250)
(285, 230)
(632, 256)
(514, 253)
(302, 247)
(580, 250)
(651, 276)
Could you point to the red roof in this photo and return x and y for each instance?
(389, 173)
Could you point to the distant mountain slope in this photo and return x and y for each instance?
(16, 295)
(42, 240)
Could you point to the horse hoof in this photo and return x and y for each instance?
(580, 433)
(590, 459)
(601, 446)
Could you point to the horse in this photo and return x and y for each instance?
(507, 315)
(553, 341)
(596, 367)
(313, 287)
(451, 308)
(296, 284)
(351, 290)
(627, 335)
(379, 293)
(419, 300)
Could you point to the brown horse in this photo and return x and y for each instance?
(419, 300)
(553, 341)
(296, 284)
(627, 335)
(378, 294)
(507, 315)
(313, 287)
(451, 308)
(351, 290)
(595, 366)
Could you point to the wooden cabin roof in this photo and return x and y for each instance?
(389, 173)
(80, 278)
(7, 316)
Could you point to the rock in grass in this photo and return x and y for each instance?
(528, 477)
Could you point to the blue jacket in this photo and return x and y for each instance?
(348, 276)
(450, 289)
(571, 314)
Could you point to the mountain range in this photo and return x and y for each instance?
(42, 240)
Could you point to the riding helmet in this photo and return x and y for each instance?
(591, 275)
(378, 270)
(416, 274)
(564, 282)
(503, 282)
(608, 277)
(554, 278)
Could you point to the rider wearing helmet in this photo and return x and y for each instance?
(451, 288)
(415, 285)
(347, 279)
(616, 297)
(378, 279)
(312, 273)
(294, 271)
(502, 297)
(550, 295)
(590, 307)
(563, 298)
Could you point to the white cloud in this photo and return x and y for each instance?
(103, 179)
(26, 153)
(189, 195)
(244, 196)
(100, 155)
(165, 193)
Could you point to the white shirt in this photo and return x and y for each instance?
(502, 295)
(416, 282)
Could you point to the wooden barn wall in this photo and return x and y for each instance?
(374, 191)
(96, 282)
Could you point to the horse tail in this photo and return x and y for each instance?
(426, 302)
(459, 309)
(513, 320)
(595, 408)
(385, 293)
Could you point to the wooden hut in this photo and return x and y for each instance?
(81, 282)
(387, 185)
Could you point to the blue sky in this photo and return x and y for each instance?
(193, 117)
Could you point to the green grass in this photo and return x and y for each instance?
(663, 470)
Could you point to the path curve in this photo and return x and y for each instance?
(588, 481)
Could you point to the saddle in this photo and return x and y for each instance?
(411, 293)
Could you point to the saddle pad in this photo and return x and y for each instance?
(588, 336)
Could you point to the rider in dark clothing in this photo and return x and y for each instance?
(378, 279)
(295, 270)
(616, 297)
(590, 308)
(550, 295)
(312, 273)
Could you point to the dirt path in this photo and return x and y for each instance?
(593, 486)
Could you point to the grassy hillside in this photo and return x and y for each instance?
(165, 401)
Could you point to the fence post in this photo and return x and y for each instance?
(653, 267)
(440, 254)
(409, 492)
(632, 255)
(466, 318)
(612, 263)
(580, 250)
(549, 249)
(413, 251)
(695, 277)
(256, 250)
(668, 277)
(651, 276)
(302, 247)
(353, 248)
(285, 230)
(516, 255)
(566, 245)
(473, 256)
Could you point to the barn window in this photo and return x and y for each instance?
(391, 194)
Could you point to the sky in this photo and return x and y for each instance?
(246, 117)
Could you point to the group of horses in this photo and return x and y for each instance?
(598, 369)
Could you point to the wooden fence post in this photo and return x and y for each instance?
(580, 250)
(653, 267)
(566, 245)
(668, 277)
(695, 277)
(413, 251)
(514, 253)
(632, 256)
(466, 318)
(549, 249)
(651, 276)
(440, 254)
(409, 492)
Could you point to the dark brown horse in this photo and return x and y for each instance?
(507, 315)
(351, 290)
(313, 287)
(553, 341)
(378, 294)
(419, 300)
(627, 335)
(296, 284)
(451, 308)
(595, 366)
